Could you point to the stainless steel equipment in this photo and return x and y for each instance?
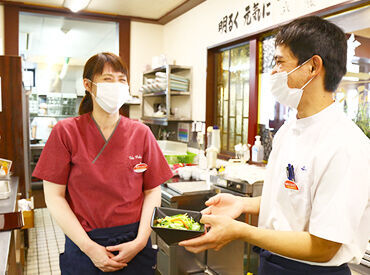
(237, 187)
(242, 188)
(175, 260)
(183, 196)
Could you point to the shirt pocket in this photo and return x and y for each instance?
(299, 199)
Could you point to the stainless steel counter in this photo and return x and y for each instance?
(192, 199)
(7, 205)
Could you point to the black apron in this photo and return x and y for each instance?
(272, 264)
(74, 261)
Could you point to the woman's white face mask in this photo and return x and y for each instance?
(281, 91)
(111, 95)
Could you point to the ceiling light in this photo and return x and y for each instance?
(76, 5)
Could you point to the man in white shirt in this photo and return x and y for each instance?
(41, 126)
(314, 212)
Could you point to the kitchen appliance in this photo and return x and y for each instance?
(186, 195)
(237, 187)
(242, 188)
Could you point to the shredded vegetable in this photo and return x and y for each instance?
(180, 221)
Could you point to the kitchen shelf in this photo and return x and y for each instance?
(165, 98)
(174, 69)
(56, 116)
(163, 120)
(37, 146)
(163, 93)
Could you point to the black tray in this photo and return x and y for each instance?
(169, 235)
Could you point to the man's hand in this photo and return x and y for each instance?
(102, 258)
(224, 204)
(223, 230)
(127, 251)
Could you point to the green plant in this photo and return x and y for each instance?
(363, 119)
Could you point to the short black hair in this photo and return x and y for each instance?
(312, 35)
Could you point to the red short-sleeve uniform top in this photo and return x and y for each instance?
(103, 188)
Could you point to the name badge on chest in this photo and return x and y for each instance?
(140, 167)
(290, 182)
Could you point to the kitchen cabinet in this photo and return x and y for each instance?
(166, 95)
(13, 121)
(8, 258)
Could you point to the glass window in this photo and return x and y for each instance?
(353, 91)
(233, 96)
(272, 114)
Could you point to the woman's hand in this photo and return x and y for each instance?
(224, 204)
(102, 258)
(223, 230)
(127, 251)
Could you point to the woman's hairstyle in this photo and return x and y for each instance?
(312, 35)
(94, 66)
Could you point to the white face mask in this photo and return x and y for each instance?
(111, 95)
(281, 91)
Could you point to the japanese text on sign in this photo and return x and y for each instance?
(251, 13)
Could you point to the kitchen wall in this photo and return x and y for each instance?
(146, 42)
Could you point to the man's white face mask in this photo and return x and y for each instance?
(111, 95)
(281, 91)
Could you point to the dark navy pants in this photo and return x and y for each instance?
(271, 264)
(74, 261)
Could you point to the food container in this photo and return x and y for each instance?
(170, 235)
(4, 189)
(188, 158)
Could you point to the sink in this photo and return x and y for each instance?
(172, 147)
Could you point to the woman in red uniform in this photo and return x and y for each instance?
(101, 174)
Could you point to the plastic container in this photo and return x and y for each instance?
(209, 136)
(257, 150)
(216, 139)
(211, 157)
(188, 158)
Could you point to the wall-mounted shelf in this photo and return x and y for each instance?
(56, 116)
(163, 120)
(177, 82)
(163, 93)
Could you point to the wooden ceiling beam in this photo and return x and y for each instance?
(174, 13)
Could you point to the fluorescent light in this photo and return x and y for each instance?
(76, 5)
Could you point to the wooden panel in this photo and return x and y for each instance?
(179, 10)
(11, 117)
(124, 43)
(124, 26)
(61, 11)
(11, 29)
(253, 91)
(211, 89)
(45, 9)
